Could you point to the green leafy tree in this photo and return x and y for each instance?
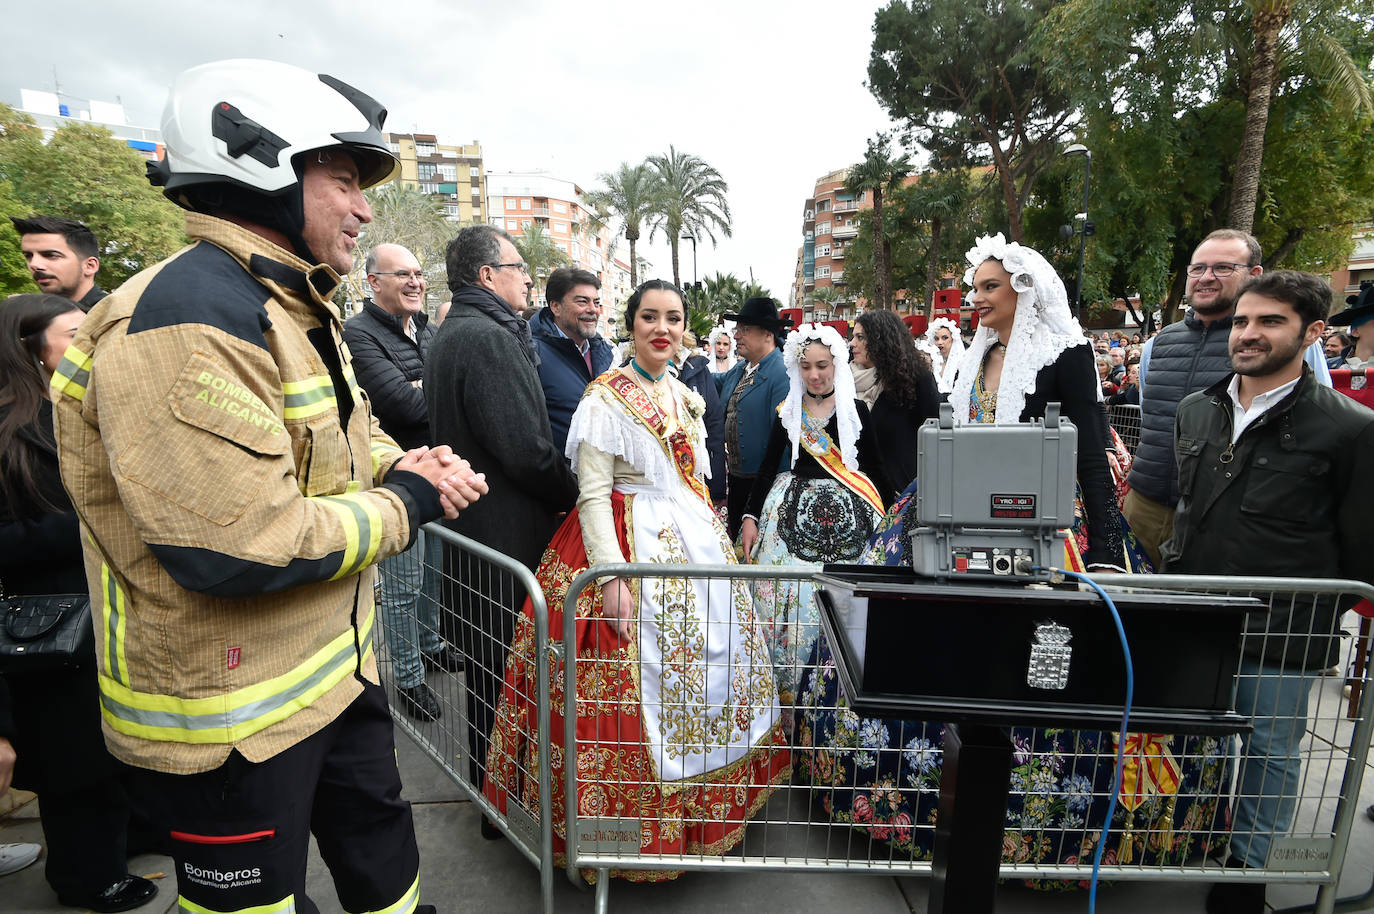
(968, 81)
(541, 254)
(724, 293)
(691, 200)
(1164, 91)
(631, 194)
(878, 173)
(84, 173)
(13, 276)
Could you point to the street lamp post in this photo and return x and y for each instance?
(693, 239)
(1086, 229)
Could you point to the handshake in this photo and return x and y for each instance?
(458, 485)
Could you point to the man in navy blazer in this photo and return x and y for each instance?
(751, 392)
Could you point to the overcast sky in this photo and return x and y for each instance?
(771, 93)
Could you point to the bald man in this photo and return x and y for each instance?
(388, 340)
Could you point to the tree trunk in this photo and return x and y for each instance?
(882, 271)
(677, 282)
(1245, 187)
(932, 270)
(634, 261)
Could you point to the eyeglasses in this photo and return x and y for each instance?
(405, 275)
(522, 267)
(1219, 270)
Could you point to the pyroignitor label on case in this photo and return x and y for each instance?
(617, 837)
(1016, 507)
(1300, 854)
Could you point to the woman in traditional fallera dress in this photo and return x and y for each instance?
(825, 506)
(886, 772)
(677, 708)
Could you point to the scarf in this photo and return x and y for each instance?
(866, 384)
(487, 302)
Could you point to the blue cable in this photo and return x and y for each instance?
(1125, 725)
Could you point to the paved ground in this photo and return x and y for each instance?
(460, 872)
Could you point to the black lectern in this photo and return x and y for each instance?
(1048, 655)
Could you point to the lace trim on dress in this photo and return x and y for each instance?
(601, 421)
(1042, 330)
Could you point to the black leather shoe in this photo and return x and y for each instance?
(419, 702)
(126, 894)
(1236, 897)
(445, 658)
(1370, 812)
(490, 832)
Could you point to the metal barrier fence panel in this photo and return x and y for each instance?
(448, 591)
(1125, 418)
(651, 759)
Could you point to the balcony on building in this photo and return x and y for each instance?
(837, 252)
(809, 216)
(844, 231)
(837, 278)
(846, 206)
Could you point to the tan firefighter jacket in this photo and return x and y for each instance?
(232, 521)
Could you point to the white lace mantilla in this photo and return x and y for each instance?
(846, 413)
(945, 369)
(602, 421)
(1042, 330)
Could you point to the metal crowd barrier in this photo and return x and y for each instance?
(476, 595)
(1125, 418)
(1058, 786)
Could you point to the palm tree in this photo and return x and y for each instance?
(540, 254)
(879, 172)
(1326, 59)
(630, 193)
(824, 299)
(724, 292)
(691, 199)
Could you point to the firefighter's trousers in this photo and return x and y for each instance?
(240, 833)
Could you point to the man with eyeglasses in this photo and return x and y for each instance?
(482, 387)
(388, 340)
(1184, 357)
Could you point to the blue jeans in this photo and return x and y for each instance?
(410, 608)
(1275, 699)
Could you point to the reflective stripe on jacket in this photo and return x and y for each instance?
(228, 475)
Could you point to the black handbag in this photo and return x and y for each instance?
(45, 632)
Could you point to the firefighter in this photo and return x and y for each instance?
(235, 495)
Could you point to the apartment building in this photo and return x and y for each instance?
(455, 173)
(519, 200)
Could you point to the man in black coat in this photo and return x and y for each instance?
(388, 340)
(482, 386)
(571, 351)
(1273, 473)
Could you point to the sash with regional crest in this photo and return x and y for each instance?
(678, 446)
(819, 444)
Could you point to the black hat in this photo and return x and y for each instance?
(760, 312)
(1362, 310)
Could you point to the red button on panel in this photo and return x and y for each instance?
(961, 563)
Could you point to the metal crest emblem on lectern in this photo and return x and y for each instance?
(1049, 657)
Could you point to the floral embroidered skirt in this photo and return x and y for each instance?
(883, 775)
(805, 521)
(677, 727)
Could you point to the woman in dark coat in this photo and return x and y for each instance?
(907, 394)
(61, 750)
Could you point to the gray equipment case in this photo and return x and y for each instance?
(993, 501)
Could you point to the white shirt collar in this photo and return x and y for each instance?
(1242, 418)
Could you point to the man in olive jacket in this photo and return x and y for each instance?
(1273, 473)
(482, 386)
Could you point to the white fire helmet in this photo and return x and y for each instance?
(241, 122)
